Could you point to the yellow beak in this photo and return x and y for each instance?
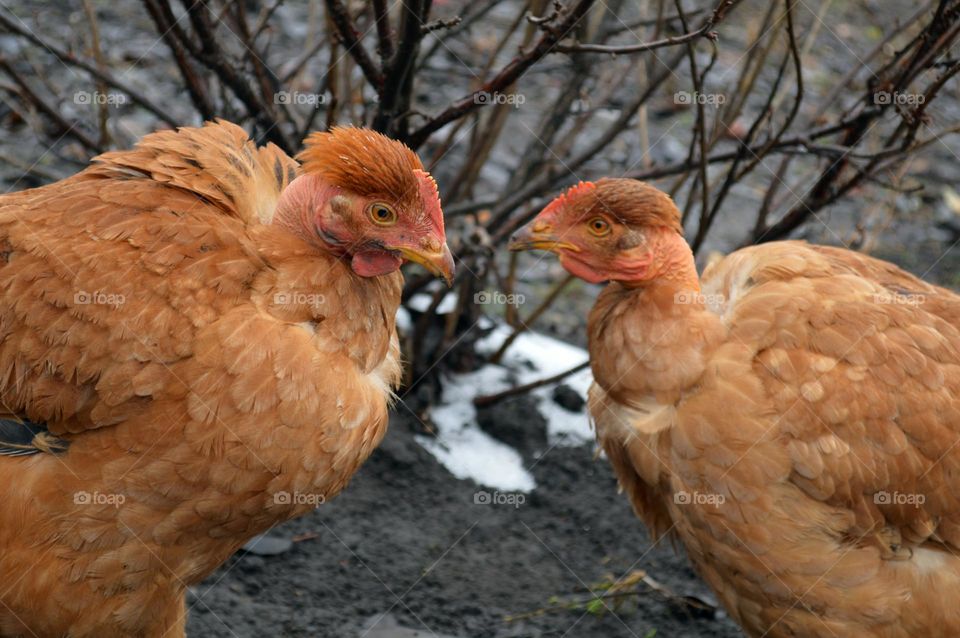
(538, 236)
(439, 263)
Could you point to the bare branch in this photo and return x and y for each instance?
(178, 42)
(381, 17)
(29, 96)
(437, 25)
(508, 75)
(705, 31)
(103, 109)
(489, 399)
(398, 85)
(71, 60)
(350, 37)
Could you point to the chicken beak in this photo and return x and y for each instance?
(537, 235)
(438, 263)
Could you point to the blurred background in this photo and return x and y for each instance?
(485, 513)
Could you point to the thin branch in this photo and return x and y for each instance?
(700, 130)
(537, 312)
(800, 144)
(103, 108)
(735, 176)
(177, 41)
(302, 61)
(385, 46)
(939, 30)
(263, 20)
(71, 60)
(706, 30)
(398, 82)
(350, 37)
(649, 22)
(437, 25)
(51, 113)
(507, 75)
(475, 11)
(485, 400)
(552, 178)
(264, 76)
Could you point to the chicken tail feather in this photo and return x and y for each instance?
(23, 438)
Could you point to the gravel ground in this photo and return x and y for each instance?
(406, 551)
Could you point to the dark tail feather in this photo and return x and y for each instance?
(19, 437)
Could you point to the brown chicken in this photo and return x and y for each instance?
(793, 416)
(196, 344)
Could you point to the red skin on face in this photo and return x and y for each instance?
(305, 209)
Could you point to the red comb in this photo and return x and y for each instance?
(430, 196)
(577, 190)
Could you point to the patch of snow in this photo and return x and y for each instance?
(534, 356)
(421, 303)
(404, 322)
(463, 448)
(470, 453)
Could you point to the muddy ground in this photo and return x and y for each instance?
(406, 552)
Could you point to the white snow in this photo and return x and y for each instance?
(470, 453)
(534, 356)
(421, 303)
(404, 322)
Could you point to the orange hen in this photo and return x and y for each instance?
(197, 342)
(792, 416)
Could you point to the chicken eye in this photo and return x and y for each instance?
(382, 214)
(599, 226)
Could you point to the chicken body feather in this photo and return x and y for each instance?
(212, 376)
(792, 415)
(796, 424)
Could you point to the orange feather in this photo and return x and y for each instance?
(196, 361)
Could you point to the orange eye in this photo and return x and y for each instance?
(599, 226)
(382, 214)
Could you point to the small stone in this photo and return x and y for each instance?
(515, 421)
(265, 545)
(568, 398)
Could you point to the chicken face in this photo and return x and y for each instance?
(614, 229)
(367, 198)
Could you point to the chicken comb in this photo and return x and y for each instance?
(569, 196)
(429, 195)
